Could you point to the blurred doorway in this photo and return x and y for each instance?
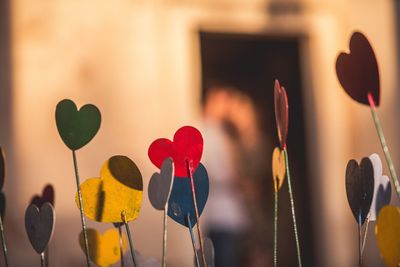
(244, 67)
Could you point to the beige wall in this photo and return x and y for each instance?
(138, 61)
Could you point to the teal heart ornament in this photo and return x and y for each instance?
(77, 127)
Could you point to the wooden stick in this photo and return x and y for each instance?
(193, 241)
(359, 246)
(78, 187)
(121, 249)
(385, 148)
(130, 239)
(164, 252)
(3, 241)
(292, 205)
(199, 232)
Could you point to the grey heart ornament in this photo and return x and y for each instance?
(39, 225)
(160, 185)
(209, 253)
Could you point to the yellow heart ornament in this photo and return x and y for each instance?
(278, 168)
(387, 232)
(119, 189)
(104, 248)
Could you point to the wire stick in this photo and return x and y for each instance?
(276, 229)
(78, 187)
(42, 259)
(164, 252)
(292, 204)
(3, 241)
(359, 246)
(385, 148)
(199, 232)
(193, 241)
(365, 236)
(130, 239)
(121, 249)
(46, 256)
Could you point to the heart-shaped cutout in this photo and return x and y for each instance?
(358, 71)
(2, 169)
(47, 196)
(387, 233)
(382, 188)
(180, 202)
(360, 188)
(2, 205)
(77, 128)
(39, 225)
(187, 145)
(209, 254)
(281, 113)
(105, 198)
(160, 185)
(104, 249)
(278, 168)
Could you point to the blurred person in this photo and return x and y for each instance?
(235, 217)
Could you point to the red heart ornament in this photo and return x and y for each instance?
(358, 71)
(281, 112)
(187, 145)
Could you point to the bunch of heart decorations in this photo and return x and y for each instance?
(180, 189)
(368, 190)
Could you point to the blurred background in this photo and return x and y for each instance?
(152, 66)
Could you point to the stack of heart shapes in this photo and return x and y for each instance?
(186, 148)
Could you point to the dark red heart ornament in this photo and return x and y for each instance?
(281, 113)
(360, 188)
(187, 145)
(358, 71)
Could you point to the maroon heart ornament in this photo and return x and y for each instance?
(281, 113)
(358, 71)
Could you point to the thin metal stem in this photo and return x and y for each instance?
(292, 205)
(193, 241)
(46, 256)
(130, 239)
(78, 187)
(359, 246)
(3, 241)
(365, 236)
(42, 259)
(164, 252)
(276, 229)
(121, 249)
(385, 148)
(199, 232)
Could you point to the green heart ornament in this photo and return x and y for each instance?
(77, 127)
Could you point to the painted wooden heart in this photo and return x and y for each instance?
(105, 198)
(278, 168)
(39, 225)
(47, 196)
(387, 233)
(360, 188)
(181, 201)
(187, 145)
(382, 188)
(104, 249)
(281, 113)
(160, 185)
(358, 71)
(2, 169)
(2, 205)
(209, 253)
(77, 127)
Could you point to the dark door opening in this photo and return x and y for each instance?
(249, 64)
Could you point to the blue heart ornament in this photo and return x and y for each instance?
(180, 203)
